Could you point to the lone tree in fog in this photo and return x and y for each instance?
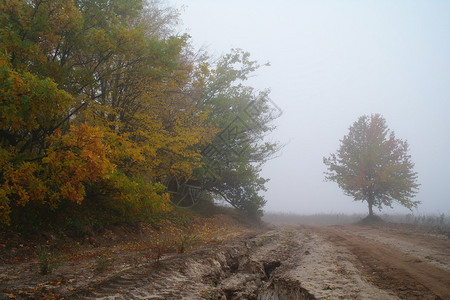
(372, 165)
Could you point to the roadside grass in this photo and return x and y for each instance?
(78, 262)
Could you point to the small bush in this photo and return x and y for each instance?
(47, 261)
(186, 239)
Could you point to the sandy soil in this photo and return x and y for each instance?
(285, 262)
(412, 262)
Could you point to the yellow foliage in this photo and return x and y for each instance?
(71, 161)
(89, 99)
(74, 159)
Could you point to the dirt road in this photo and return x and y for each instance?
(304, 262)
(291, 262)
(411, 262)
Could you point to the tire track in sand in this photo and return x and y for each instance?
(389, 268)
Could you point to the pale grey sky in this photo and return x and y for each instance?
(331, 62)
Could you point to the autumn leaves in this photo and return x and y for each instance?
(100, 104)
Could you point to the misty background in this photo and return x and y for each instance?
(331, 62)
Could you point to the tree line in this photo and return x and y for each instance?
(102, 103)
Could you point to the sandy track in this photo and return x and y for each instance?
(288, 262)
(392, 260)
(414, 240)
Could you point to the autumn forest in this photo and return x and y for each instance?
(104, 107)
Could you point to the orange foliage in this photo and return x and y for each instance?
(134, 100)
(74, 159)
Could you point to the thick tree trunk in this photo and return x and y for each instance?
(370, 208)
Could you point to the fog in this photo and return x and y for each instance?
(331, 62)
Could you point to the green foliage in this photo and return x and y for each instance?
(231, 170)
(372, 165)
(133, 199)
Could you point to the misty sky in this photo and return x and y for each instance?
(331, 62)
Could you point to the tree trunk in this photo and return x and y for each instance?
(370, 208)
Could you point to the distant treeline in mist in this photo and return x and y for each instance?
(439, 220)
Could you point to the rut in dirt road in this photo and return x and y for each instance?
(287, 263)
(389, 268)
(241, 270)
